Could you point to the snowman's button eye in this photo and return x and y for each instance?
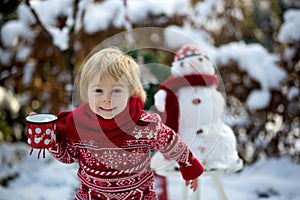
(181, 64)
(200, 59)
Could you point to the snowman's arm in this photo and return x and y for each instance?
(160, 100)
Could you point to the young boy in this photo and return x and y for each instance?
(111, 136)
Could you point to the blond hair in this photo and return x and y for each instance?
(112, 62)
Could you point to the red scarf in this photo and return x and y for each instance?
(171, 85)
(84, 124)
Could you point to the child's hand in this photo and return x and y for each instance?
(192, 183)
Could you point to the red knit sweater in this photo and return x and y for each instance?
(116, 165)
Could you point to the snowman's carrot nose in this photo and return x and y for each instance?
(192, 65)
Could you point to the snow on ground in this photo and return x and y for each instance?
(272, 179)
(47, 179)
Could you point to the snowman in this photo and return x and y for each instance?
(191, 105)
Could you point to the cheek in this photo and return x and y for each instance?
(125, 102)
(122, 100)
(92, 98)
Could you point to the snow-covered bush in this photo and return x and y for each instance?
(256, 52)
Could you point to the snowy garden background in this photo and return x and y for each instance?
(254, 44)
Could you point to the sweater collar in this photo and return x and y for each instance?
(89, 125)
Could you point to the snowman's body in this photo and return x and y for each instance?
(201, 119)
(198, 116)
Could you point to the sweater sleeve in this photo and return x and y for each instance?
(173, 147)
(63, 151)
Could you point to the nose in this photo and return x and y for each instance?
(107, 99)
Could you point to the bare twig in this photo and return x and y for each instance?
(39, 22)
(72, 28)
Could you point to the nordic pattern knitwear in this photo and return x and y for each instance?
(118, 167)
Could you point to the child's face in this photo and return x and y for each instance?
(108, 99)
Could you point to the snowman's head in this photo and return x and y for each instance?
(190, 59)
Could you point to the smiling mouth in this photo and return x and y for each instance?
(107, 109)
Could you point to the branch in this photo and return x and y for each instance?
(75, 10)
(27, 2)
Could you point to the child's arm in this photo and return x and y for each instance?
(63, 150)
(174, 148)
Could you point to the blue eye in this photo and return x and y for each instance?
(117, 90)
